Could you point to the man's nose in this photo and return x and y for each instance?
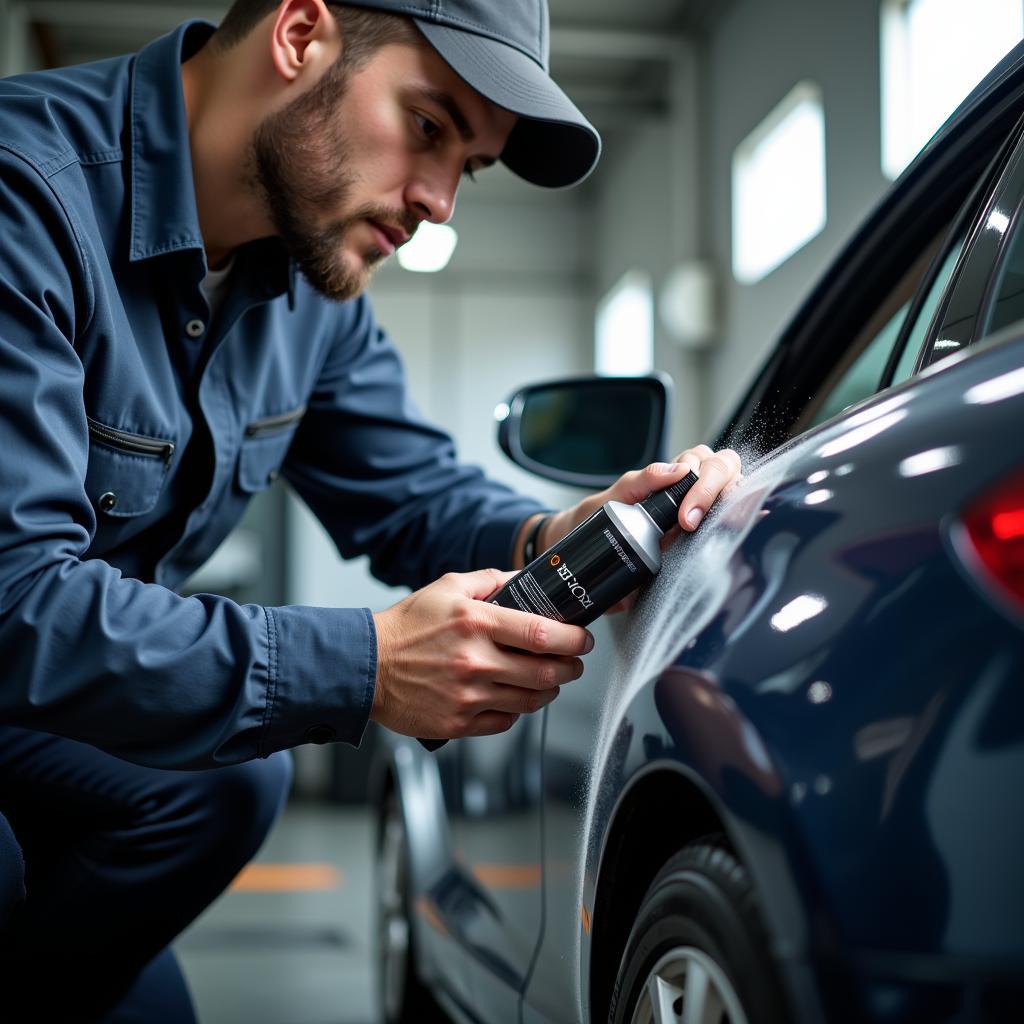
(432, 194)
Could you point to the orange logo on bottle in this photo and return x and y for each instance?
(555, 559)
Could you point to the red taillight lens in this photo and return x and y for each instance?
(995, 527)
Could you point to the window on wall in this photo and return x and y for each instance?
(934, 52)
(778, 185)
(624, 327)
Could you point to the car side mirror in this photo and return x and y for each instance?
(586, 431)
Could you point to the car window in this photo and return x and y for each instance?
(1008, 306)
(918, 333)
(967, 312)
(862, 378)
(876, 347)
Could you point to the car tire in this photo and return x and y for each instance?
(698, 936)
(402, 997)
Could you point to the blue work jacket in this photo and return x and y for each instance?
(134, 431)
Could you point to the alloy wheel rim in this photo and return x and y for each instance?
(393, 924)
(686, 986)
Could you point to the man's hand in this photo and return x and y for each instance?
(717, 471)
(444, 667)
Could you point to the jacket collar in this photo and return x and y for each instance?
(163, 200)
(164, 217)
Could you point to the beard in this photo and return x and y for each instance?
(300, 164)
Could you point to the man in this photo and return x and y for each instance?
(174, 224)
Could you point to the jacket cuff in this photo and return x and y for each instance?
(496, 540)
(321, 676)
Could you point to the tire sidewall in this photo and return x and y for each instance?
(696, 902)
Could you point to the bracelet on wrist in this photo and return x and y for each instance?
(530, 544)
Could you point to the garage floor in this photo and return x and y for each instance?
(291, 942)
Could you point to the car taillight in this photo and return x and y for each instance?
(995, 528)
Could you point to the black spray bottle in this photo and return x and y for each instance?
(597, 564)
(600, 562)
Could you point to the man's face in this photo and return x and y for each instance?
(350, 168)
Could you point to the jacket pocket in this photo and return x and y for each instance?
(126, 471)
(264, 448)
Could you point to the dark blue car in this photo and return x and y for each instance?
(788, 786)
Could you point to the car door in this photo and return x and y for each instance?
(921, 265)
(491, 899)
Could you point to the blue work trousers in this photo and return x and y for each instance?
(103, 863)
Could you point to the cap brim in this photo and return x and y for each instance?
(552, 144)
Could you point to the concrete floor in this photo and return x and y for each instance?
(300, 952)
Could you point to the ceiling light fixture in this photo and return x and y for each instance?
(429, 250)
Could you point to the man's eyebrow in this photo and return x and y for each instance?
(447, 102)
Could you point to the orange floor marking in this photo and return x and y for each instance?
(288, 878)
(508, 876)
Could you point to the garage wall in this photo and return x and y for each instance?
(17, 47)
(753, 56)
(636, 228)
(647, 196)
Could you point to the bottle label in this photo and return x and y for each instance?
(579, 577)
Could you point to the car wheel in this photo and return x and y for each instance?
(403, 999)
(698, 950)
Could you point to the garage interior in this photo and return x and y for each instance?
(676, 88)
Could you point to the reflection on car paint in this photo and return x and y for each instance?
(858, 435)
(930, 461)
(1007, 385)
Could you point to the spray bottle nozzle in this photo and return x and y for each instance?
(663, 506)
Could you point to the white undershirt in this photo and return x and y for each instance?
(215, 286)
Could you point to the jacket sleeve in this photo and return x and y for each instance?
(385, 482)
(127, 666)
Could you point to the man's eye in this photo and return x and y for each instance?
(469, 172)
(430, 129)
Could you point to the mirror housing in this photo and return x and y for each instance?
(586, 431)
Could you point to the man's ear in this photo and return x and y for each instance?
(305, 35)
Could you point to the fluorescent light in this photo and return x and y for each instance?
(921, 84)
(429, 250)
(624, 327)
(778, 185)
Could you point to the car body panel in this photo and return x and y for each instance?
(817, 738)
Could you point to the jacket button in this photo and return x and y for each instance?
(272, 476)
(107, 501)
(195, 328)
(320, 734)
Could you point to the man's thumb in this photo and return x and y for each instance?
(484, 582)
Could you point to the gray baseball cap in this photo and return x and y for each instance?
(500, 48)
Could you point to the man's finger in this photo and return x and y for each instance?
(640, 483)
(478, 585)
(716, 472)
(514, 700)
(534, 672)
(490, 723)
(537, 634)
